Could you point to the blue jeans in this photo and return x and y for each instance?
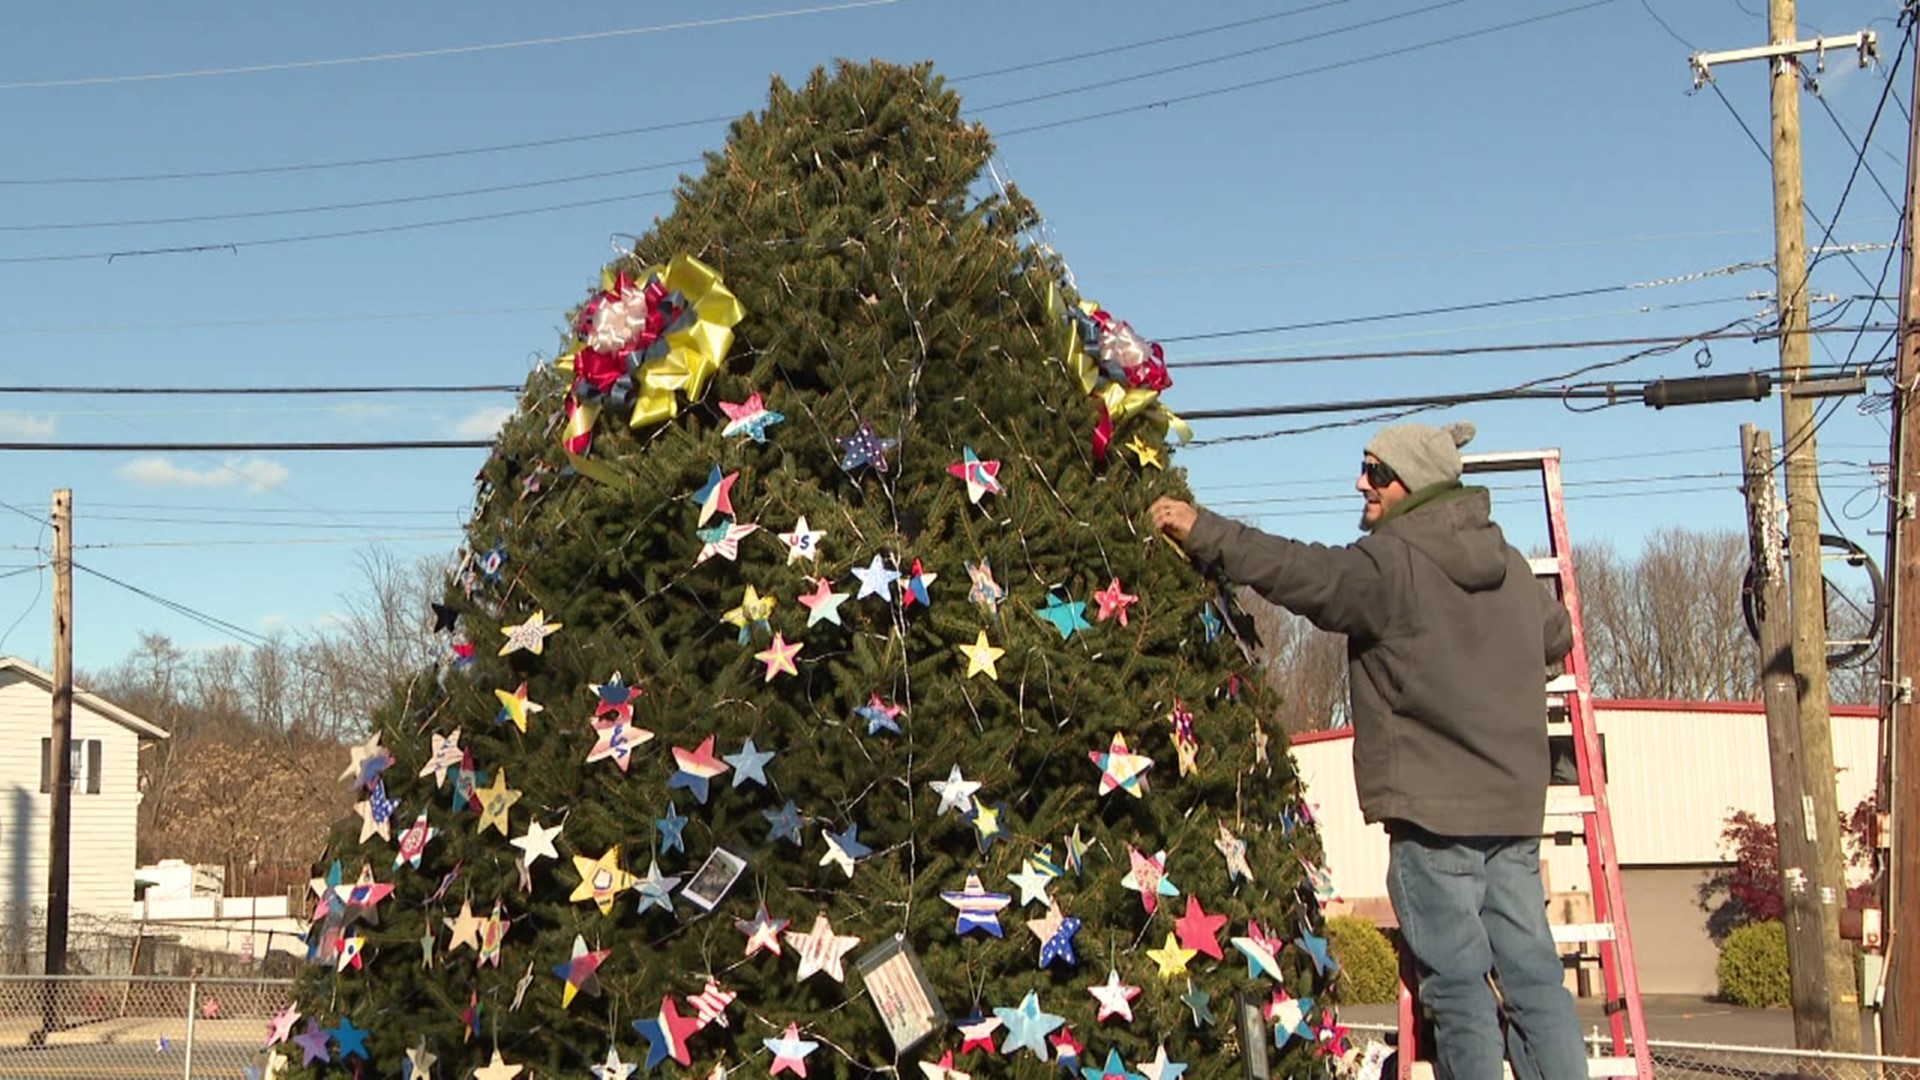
(1472, 906)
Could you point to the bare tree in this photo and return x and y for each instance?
(1306, 666)
(1668, 625)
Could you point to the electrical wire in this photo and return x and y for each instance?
(235, 246)
(1479, 350)
(215, 447)
(276, 541)
(1181, 99)
(450, 50)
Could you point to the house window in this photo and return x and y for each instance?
(85, 756)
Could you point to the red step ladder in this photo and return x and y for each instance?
(1569, 712)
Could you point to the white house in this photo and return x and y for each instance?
(106, 745)
(1675, 772)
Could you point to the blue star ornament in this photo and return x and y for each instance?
(1113, 1069)
(749, 764)
(351, 1040)
(864, 448)
(1211, 622)
(975, 908)
(784, 824)
(879, 715)
(672, 829)
(1028, 1026)
(875, 580)
(1065, 615)
(1316, 947)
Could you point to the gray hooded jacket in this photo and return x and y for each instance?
(1448, 638)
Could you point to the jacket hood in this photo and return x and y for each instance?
(1455, 529)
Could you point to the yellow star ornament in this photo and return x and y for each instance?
(601, 879)
(1171, 957)
(495, 800)
(1148, 454)
(530, 635)
(981, 656)
(515, 706)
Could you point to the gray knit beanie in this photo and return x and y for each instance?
(1422, 456)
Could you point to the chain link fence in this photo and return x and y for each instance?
(141, 1028)
(1695, 1061)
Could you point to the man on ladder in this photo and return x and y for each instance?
(1447, 634)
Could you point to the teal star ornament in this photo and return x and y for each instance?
(1066, 615)
(1028, 1026)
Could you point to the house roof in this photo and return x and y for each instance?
(144, 728)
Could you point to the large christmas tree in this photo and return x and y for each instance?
(818, 698)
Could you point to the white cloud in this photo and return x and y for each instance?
(256, 474)
(482, 423)
(272, 623)
(19, 425)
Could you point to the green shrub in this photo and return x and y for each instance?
(1366, 959)
(1753, 966)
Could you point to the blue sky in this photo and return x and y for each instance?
(1388, 159)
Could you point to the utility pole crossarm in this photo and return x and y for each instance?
(1866, 43)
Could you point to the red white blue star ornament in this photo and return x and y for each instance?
(821, 950)
(864, 449)
(975, 908)
(1115, 997)
(666, 1033)
(880, 715)
(446, 754)
(722, 539)
(763, 932)
(790, 1052)
(750, 418)
(696, 768)
(614, 698)
(1262, 952)
(1112, 1069)
(913, 590)
(982, 477)
(716, 495)
(1056, 931)
(710, 1004)
(802, 542)
(615, 740)
(413, 842)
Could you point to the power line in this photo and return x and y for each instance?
(212, 622)
(288, 447)
(236, 246)
(1535, 346)
(327, 208)
(1207, 61)
(1164, 39)
(276, 541)
(1181, 99)
(277, 391)
(450, 50)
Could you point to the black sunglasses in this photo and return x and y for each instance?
(1379, 475)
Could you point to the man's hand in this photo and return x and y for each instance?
(1173, 517)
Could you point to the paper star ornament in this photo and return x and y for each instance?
(1200, 931)
(1198, 1002)
(716, 495)
(614, 1068)
(710, 1004)
(419, 1063)
(1262, 952)
(580, 972)
(1185, 744)
(655, 889)
(1113, 1069)
(982, 477)
(803, 542)
(779, 657)
(465, 928)
(752, 613)
(876, 579)
(790, 1052)
(493, 933)
(1315, 947)
(722, 539)
(1289, 1017)
(280, 1026)
(516, 706)
(1066, 1050)
(614, 698)
(763, 932)
(943, 1069)
(845, 849)
(785, 824)
(1115, 997)
(313, 1044)
(983, 590)
(601, 879)
(672, 827)
(1056, 931)
(1032, 883)
(956, 792)
(976, 1033)
(1112, 602)
(1028, 1026)
(821, 950)
(823, 604)
(750, 764)
(537, 843)
(1171, 957)
(1065, 615)
(376, 813)
(666, 1034)
(864, 448)
(1161, 1068)
(914, 589)
(413, 842)
(446, 754)
(976, 908)
(530, 635)
(1234, 850)
(1148, 454)
(1319, 877)
(498, 1069)
(1121, 768)
(880, 715)
(615, 740)
(981, 657)
(1148, 877)
(750, 418)
(366, 761)
(695, 769)
(495, 800)
(986, 824)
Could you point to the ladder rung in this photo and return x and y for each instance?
(1612, 1066)
(1560, 727)
(1559, 805)
(1562, 684)
(1507, 460)
(1579, 933)
(1545, 566)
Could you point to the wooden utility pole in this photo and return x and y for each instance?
(1813, 1022)
(1826, 871)
(1900, 771)
(59, 840)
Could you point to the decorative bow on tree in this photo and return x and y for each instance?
(639, 345)
(1122, 371)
